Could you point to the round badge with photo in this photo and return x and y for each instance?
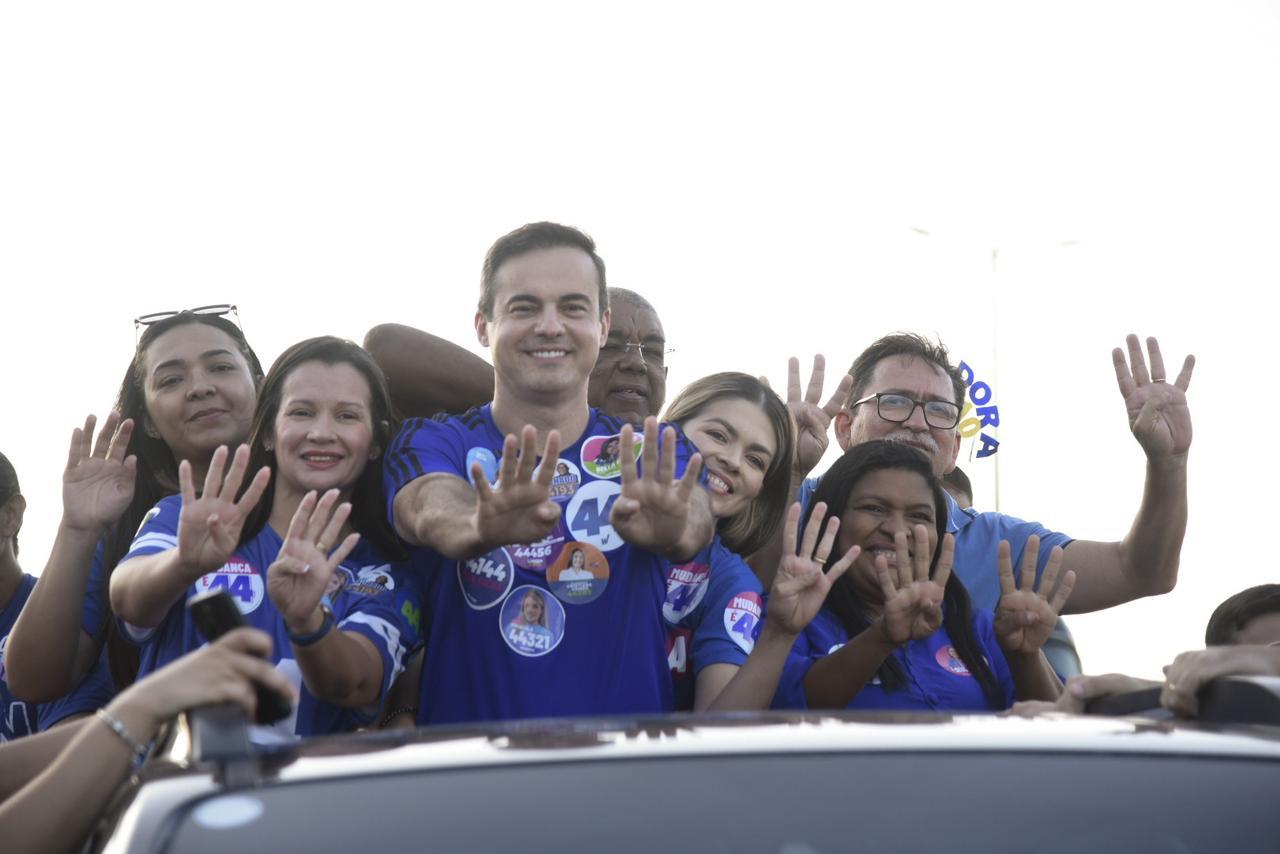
(565, 482)
(949, 660)
(588, 514)
(579, 575)
(531, 621)
(742, 619)
(536, 557)
(488, 463)
(486, 579)
(602, 455)
(686, 585)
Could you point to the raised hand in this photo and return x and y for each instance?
(652, 511)
(209, 526)
(299, 576)
(1025, 615)
(1191, 671)
(519, 508)
(812, 420)
(913, 601)
(1158, 413)
(800, 586)
(97, 484)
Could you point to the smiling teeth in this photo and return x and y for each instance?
(717, 484)
(549, 354)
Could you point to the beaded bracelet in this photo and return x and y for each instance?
(389, 716)
(139, 751)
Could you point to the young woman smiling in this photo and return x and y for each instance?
(727, 651)
(898, 630)
(305, 553)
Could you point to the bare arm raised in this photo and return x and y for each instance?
(448, 514)
(48, 651)
(1145, 562)
(143, 589)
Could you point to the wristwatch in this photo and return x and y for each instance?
(326, 611)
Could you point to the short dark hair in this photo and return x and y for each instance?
(527, 238)
(958, 480)
(1236, 612)
(368, 513)
(9, 488)
(906, 345)
(843, 600)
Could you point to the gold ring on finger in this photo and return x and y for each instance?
(322, 547)
(820, 561)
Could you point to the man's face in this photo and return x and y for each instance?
(546, 329)
(629, 380)
(918, 380)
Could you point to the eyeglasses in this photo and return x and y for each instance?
(221, 309)
(650, 354)
(899, 408)
(217, 310)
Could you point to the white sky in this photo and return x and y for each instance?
(756, 170)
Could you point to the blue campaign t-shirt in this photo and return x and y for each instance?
(571, 625)
(371, 596)
(16, 717)
(936, 678)
(978, 535)
(714, 610)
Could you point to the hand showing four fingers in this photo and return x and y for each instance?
(800, 586)
(812, 420)
(912, 600)
(300, 574)
(209, 526)
(1158, 412)
(1025, 615)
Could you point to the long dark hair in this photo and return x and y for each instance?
(957, 610)
(368, 515)
(157, 472)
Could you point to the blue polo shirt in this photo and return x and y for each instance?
(16, 717)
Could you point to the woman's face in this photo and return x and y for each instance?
(737, 444)
(324, 427)
(531, 609)
(576, 560)
(880, 505)
(199, 391)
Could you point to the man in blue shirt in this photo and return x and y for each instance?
(508, 638)
(904, 388)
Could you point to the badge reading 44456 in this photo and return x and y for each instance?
(588, 514)
(485, 580)
(239, 579)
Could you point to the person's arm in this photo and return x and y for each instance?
(81, 766)
(1191, 671)
(912, 611)
(1145, 562)
(444, 512)
(654, 511)
(427, 375)
(48, 652)
(1024, 618)
(799, 588)
(402, 699)
(145, 587)
(813, 420)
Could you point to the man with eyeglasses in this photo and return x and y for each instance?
(905, 389)
(428, 375)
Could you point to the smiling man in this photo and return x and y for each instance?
(427, 374)
(500, 527)
(905, 389)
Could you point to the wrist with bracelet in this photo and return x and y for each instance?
(309, 638)
(136, 748)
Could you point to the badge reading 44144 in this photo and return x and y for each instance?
(588, 514)
(485, 580)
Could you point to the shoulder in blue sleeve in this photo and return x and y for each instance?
(430, 446)
(17, 718)
(159, 529)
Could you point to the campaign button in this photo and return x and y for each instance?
(565, 482)
(536, 557)
(531, 622)
(602, 455)
(486, 579)
(948, 659)
(579, 575)
(588, 514)
(686, 585)
(742, 619)
(488, 463)
(239, 579)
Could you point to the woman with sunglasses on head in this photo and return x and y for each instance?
(898, 630)
(190, 388)
(726, 651)
(304, 548)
